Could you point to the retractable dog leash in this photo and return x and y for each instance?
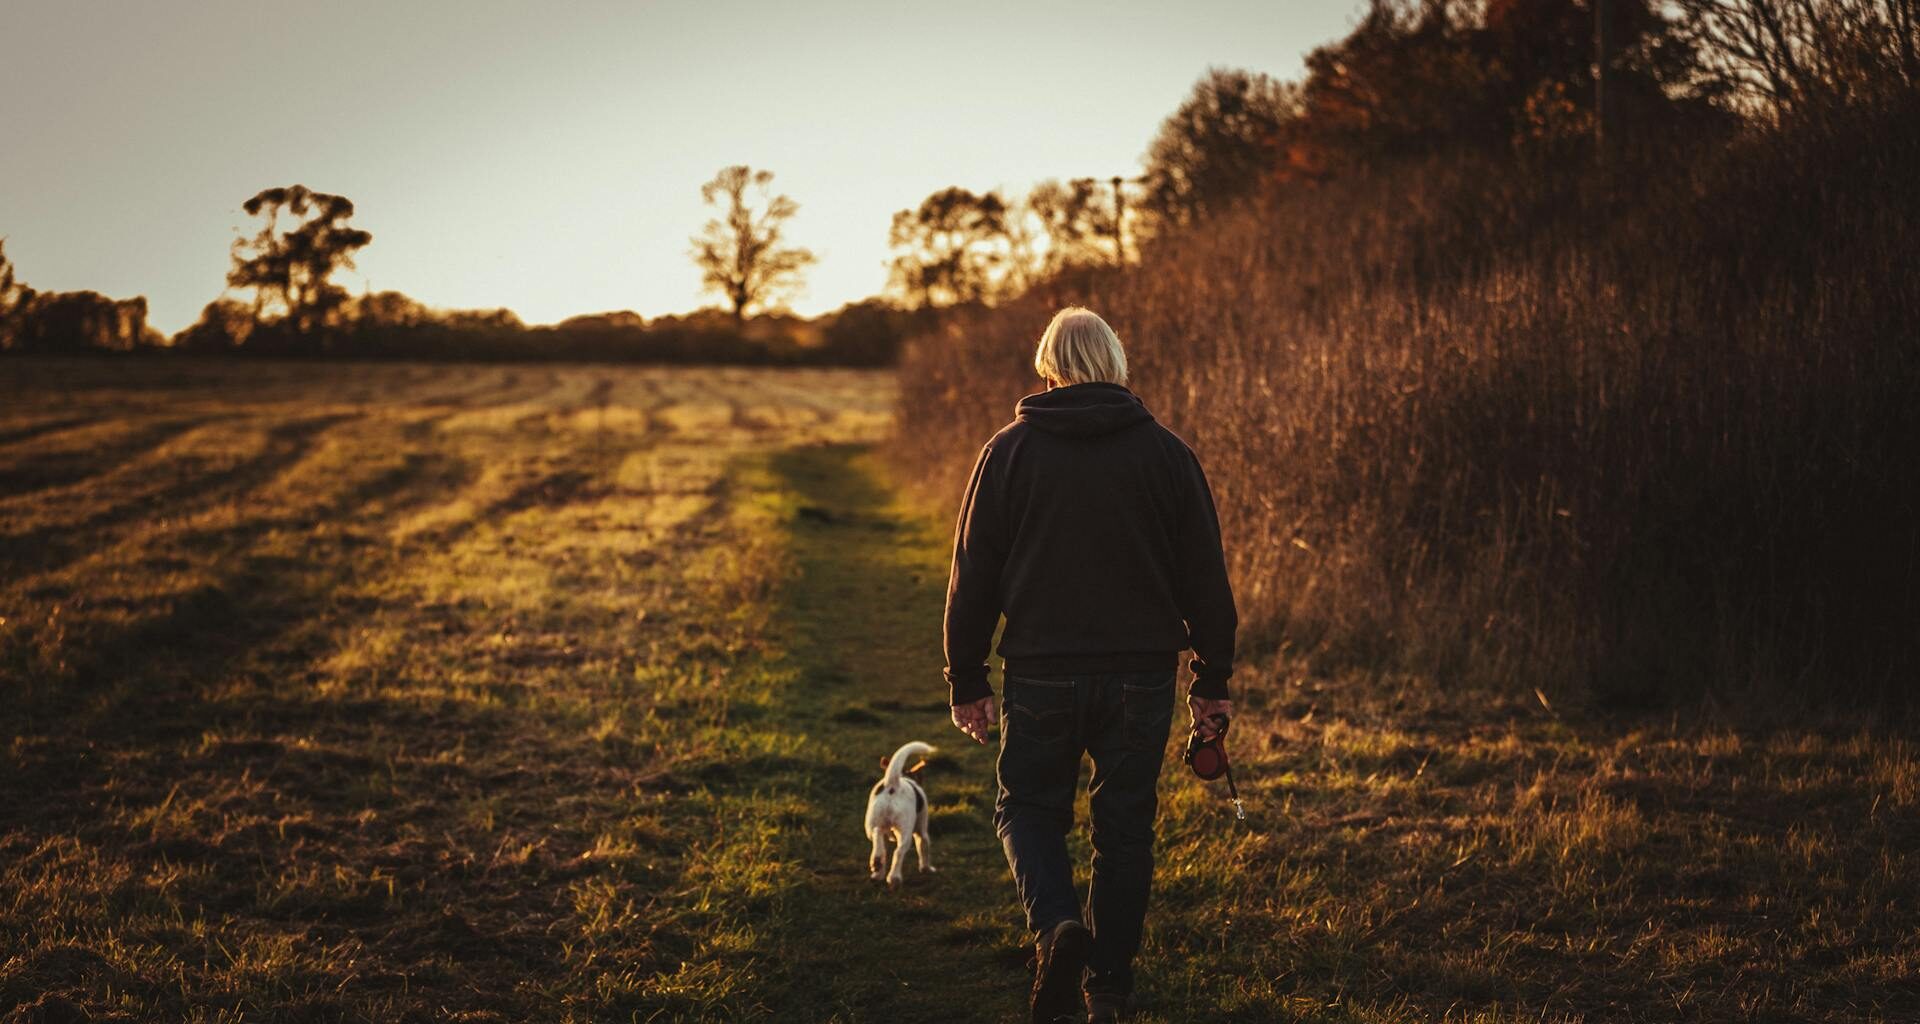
(1208, 759)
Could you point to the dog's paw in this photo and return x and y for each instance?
(875, 875)
(930, 869)
(893, 881)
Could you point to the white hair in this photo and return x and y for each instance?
(1078, 348)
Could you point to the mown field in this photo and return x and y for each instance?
(389, 692)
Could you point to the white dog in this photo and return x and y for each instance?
(898, 806)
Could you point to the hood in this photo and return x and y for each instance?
(1082, 410)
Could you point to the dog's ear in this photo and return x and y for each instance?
(884, 761)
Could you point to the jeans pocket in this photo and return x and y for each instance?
(1147, 708)
(1038, 711)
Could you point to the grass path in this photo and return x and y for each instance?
(860, 616)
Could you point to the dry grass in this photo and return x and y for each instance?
(371, 692)
(1512, 424)
(1427, 856)
(334, 696)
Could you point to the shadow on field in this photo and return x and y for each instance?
(862, 615)
(58, 468)
(52, 547)
(435, 707)
(310, 853)
(202, 814)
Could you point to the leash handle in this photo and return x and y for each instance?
(1233, 790)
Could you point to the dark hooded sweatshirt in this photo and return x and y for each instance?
(1090, 526)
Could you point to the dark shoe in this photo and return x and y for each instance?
(1107, 1007)
(1056, 977)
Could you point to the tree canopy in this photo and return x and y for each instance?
(1219, 145)
(741, 253)
(953, 245)
(289, 268)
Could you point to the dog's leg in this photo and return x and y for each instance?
(878, 861)
(899, 870)
(923, 845)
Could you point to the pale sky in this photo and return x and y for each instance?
(548, 157)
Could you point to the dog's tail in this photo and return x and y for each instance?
(903, 757)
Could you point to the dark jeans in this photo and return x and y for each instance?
(1121, 719)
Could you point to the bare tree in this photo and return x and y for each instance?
(1786, 54)
(289, 270)
(739, 253)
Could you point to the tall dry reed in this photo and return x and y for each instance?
(1512, 422)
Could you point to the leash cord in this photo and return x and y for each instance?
(1233, 791)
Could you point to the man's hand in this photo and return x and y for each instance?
(977, 718)
(1203, 709)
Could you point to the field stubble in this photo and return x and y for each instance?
(397, 693)
(370, 691)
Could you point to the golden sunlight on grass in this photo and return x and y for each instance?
(372, 674)
(395, 693)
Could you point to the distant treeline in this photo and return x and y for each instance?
(83, 321)
(389, 325)
(1500, 385)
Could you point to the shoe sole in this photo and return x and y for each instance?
(1058, 994)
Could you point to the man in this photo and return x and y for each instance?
(1090, 526)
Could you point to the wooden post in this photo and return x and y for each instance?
(1599, 80)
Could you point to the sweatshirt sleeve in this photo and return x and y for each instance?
(973, 587)
(1202, 589)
